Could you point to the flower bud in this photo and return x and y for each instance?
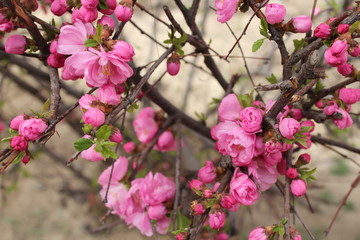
(106, 20)
(116, 137)
(173, 64)
(16, 121)
(94, 116)
(303, 159)
(89, 4)
(322, 31)
(275, 13)
(19, 143)
(207, 193)
(292, 173)
(217, 220)
(207, 174)
(298, 187)
(56, 60)
(57, 8)
(25, 159)
(302, 24)
(124, 11)
(289, 127)
(15, 44)
(123, 50)
(258, 234)
(88, 15)
(198, 209)
(347, 95)
(92, 155)
(343, 28)
(195, 184)
(345, 69)
(354, 51)
(32, 128)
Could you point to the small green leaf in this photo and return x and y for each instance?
(201, 116)
(257, 44)
(298, 44)
(133, 107)
(327, 42)
(354, 26)
(98, 30)
(19, 157)
(246, 100)
(183, 38)
(168, 41)
(272, 79)
(87, 128)
(6, 139)
(305, 129)
(264, 28)
(105, 151)
(91, 43)
(104, 132)
(83, 144)
(215, 101)
(319, 86)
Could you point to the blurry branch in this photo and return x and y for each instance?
(54, 91)
(343, 145)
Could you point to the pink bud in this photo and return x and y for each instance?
(207, 174)
(106, 20)
(345, 69)
(116, 137)
(129, 147)
(94, 116)
(107, 94)
(195, 184)
(25, 159)
(289, 127)
(198, 209)
(354, 51)
(347, 95)
(217, 220)
(89, 4)
(320, 104)
(173, 64)
(291, 173)
(7, 26)
(88, 15)
(19, 143)
(92, 155)
(53, 46)
(16, 121)
(181, 236)
(258, 234)
(56, 60)
(57, 8)
(123, 13)
(222, 236)
(123, 50)
(296, 114)
(308, 123)
(339, 47)
(166, 142)
(298, 187)
(157, 212)
(302, 24)
(32, 128)
(207, 193)
(15, 44)
(322, 31)
(227, 202)
(343, 28)
(275, 13)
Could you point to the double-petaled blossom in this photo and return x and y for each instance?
(243, 189)
(298, 187)
(258, 234)
(345, 69)
(225, 9)
(289, 127)
(107, 94)
(145, 126)
(345, 120)
(94, 117)
(302, 24)
(322, 31)
(217, 220)
(229, 108)
(349, 95)
(19, 143)
(124, 11)
(337, 54)
(207, 174)
(275, 13)
(264, 174)
(251, 119)
(15, 44)
(32, 128)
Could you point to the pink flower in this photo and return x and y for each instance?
(87, 15)
(198, 209)
(156, 189)
(86, 101)
(229, 108)
(94, 116)
(298, 187)
(322, 31)
(343, 28)
(123, 13)
(92, 155)
(225, 9)
(289, 127)
(305, 157)
(129, 147)
(72, 37)
(222, 236)
(243, 189)
(345, 69)
(258, 234)
(7, 26)
(207, 174)
(208, 193)
(26, 159)
(118, 172)
(195, 184)
(292, 173)
(106, 20)
(296, 236)
(123, 50)
(56, 60)
(228, 202)
(275, 13)
(251, 119)
(89, 4)
(302, 24)
(16, 121)
(232, 140)
(58, 7)
(354, 51)
(19, 143)
(32, 128)
(264, 174)
(296, 114)
(173, 64)
(347, 95)
(166, 142)
(345, 121)
(145, 125)
(157, 212)
(116, 137)
(107, 94)
(217, 220)
(337, 54)
(15, 44)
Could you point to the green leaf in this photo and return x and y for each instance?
(180, 51)
(327, 42)
(183, 38)
(264, 28)
(182, 223)
(83, 144)
(246, 100)
(6, 139)
(272, 79)
(105, 151)
(319, 86)
(19, 157)
(168, 41)
(133, 107)
(201, 116)
(256, 45)
(301, 139)
(283, 221)
(87, 128)
(354, 26)
(104, 132)
(299, 44)
(103, 5)
(305, 129)
(215, 101)
(98, 30)
(91, 43)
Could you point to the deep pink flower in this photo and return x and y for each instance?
(58, 8)
(289, 127)
(339, 47)
(94, 116)
(251, 119)
(16, 121)
(107, 94)
(291, 173)
(345, 69)
(129, 147)
(89, 4)
(116, 137)
(229, 108)
(207, 174)
(173, 64)
(85, 101)
(347, 95)
(257, 234)
(232, 140)
(32, 128)
(354, 51)
(302, 24)
(123, 50)
(305, 157)
(118, 172)
(308, 123)
(296, 114)
(157, 212)
(208, 193)
(92, 155)
(145, 125)
(198, 209)
(7, 26)
(26, 159)
(19, 143)
(15, 44)
(343, 28)
(217, 220)
(195, 184)
(275, 13)
(243, 189)
(298, 187)
(225, 9)
(322, 31)
(123, 13)
(106, 20)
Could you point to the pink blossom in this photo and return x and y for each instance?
(106, 20)
(337, 54)
(142, 222)
(157, 212)
(58, 8)
(86, 15)
(118, 172)
(156, 189)
(258, 234)
(225, 9)
(173, 64)
(16, 121)
(19, 143)
(208, 193)
(89, 4)
(275, 13)
(107, 94)
(347, 95)
(123, 13)
(302, 24)
(259, 146)
(229, 108)
(281, 167)
(273, 146)
(289, 127)
(94, 116)
(243, 189)
(222, 236)
(298, 187)
(251, 119)
(7, 26)
(217, 220)
(195, 184)
(198, 209)
(308, 123)
(296, 236)
(15, 44)
(343, 28)
(263, 173)
(354, 51)
(26, 159)
(228, 202)
(162, 225)
(116, 136)
(56, 60)
(86, 101)
(305, 157)
(322, 31)
(292, 173)
(345, 69)
(145, 126)
(166, 142)
(296, 114)
(232, 140)
(129, 147)
(92, 155)
(345, 121)
(207, 174)
(123, 50)
(32, 128)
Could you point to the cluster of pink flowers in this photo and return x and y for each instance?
(144, 201)
(266, 233)
(99, 66)
(6, 25)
